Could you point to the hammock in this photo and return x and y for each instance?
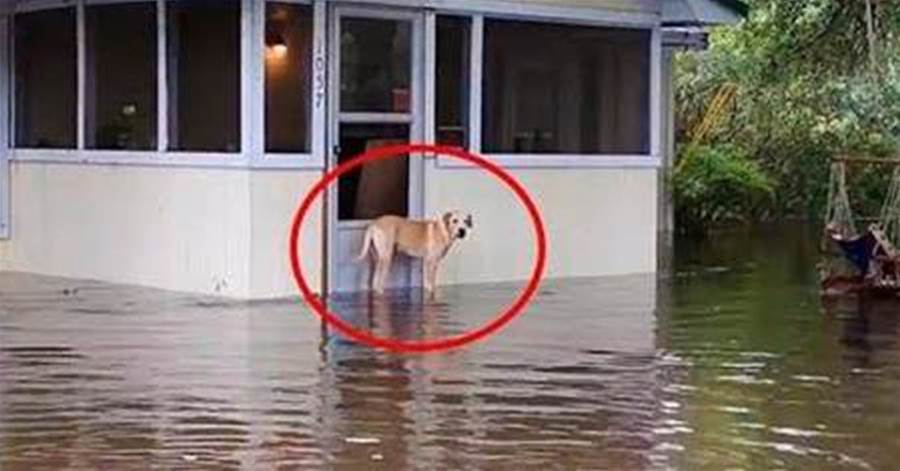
(873, 253)
(858, 250)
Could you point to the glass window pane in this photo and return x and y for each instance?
(375, 65)
(120, 79)
(288, 71)
(46, 93)
(204, 57)
(376, 188)
(452, 81)
(565, 89)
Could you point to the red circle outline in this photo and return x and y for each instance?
(405, 346)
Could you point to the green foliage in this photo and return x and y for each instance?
(716, 185)
(806, 90)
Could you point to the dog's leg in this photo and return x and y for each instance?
(367, 240)
(376, 277)
(431, 278)
(385, 253)
(434, 272)
(426, 275)
(376, 272)
(384, 250)
(382, 272)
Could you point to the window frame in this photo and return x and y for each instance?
(252, 118)
(252, 110)
(651, 159)
(317, 91)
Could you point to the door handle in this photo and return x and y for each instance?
(336, 150)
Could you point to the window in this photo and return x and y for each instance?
(204, 58)
(375, 188)
(452, 81)
(366, 84)
(288, 72)
(120, 87)
(565, 89)
(45, 79)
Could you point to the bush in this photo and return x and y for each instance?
(718, 185)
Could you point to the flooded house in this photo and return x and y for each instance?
(167, 143)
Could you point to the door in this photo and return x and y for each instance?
(375, 100)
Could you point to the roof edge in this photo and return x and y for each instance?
(703, 12)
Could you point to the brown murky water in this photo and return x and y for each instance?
(733, 363)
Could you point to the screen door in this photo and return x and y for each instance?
(375, 101)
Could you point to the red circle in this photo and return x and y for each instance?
(420, 346)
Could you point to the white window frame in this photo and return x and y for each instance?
(315, 157)
(252, 153)
(5, 76)
(652, 159)
(252, 99)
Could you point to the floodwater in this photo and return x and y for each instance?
(733, 362)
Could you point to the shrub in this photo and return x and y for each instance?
(714, 185)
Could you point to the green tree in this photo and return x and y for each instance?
(807, 88)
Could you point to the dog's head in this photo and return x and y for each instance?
(458, 225)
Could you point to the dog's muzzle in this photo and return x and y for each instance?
(461, 233)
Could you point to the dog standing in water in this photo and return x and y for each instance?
(426, 239)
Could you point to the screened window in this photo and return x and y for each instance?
(204, 58)
(288, 72)
(45, 79)
(120, 87)
(565, 89)
(375, 65)
(452, 80)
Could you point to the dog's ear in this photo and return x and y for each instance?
(446, 219)
(469, 221)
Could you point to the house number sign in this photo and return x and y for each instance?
(319, 74)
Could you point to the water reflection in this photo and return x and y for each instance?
(733, 361)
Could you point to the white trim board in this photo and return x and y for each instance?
(476, 65)
(5, 67)
(646, 17)
(152, 159)
(559, 161)
(308, 161)
(655, 92)
(81, 75)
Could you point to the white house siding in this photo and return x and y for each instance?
(274, 196)
(598, 221)
(215, 231)
(224, 231)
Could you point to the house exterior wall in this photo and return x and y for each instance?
(214, 231)
(598, 222)
(274, 197)
(224, 231)
(221, 227)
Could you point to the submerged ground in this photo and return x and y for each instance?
(733, 362)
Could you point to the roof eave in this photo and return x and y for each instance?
(702, 13)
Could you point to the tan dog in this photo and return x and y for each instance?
(426, 239)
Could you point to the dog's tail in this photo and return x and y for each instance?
(367, 241)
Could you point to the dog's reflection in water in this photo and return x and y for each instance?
(403, 317)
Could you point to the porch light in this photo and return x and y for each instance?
(276, 44)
